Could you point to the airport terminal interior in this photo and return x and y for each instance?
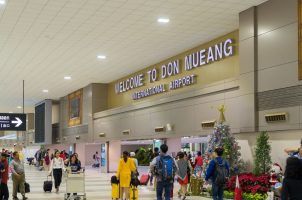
(150, 99)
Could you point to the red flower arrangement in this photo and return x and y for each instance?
(250, 183)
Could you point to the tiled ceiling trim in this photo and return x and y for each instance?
(44, 40)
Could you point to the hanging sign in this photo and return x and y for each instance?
(12, 122)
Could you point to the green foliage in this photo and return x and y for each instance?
(143, 157)
(228, 194)
(262, 154)
(257, 196)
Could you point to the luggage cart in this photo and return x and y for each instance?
(75, 183)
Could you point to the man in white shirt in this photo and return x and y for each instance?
(18, 176)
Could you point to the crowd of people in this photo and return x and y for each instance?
(54, 163)
(164, 170)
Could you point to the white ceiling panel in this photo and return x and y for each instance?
(43, 40)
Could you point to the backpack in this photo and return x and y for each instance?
(165, 168)
(93, 156)
(221, 173)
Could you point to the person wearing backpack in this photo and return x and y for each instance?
(218, 172)
(165, 169)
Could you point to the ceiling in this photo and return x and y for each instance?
(44, 40)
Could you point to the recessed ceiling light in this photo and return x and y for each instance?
(67, 77)
(101, 57)
(163, 20)
(45, 91)
(2, 2)
(19, 107)
(10, 112)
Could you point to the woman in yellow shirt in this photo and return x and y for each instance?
(125, 167)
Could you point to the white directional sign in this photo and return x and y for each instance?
(12, 122)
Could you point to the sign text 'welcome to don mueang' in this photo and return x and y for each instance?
(196, 59)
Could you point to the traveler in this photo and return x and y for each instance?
(198, 164)
(125, 168)
(18, 176)
(77, 156)
(57, 167)
(75, 167)
(4, 193)
(132, 155)
(299, 154)
(164, 167)
(292, 183)
(218, 171)
(46, 160)
(183, 176)
(96, 159)
(155, 154)
(63, 155)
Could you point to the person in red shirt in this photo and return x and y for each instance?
(4, 193)
(63, 155)
(198, 164)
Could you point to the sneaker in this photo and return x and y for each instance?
(24, 198)
(15, 198)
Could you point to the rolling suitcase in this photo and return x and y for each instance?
(47, 186)
(133, 193)
(144, 179)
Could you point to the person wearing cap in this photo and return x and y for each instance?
(132, 155)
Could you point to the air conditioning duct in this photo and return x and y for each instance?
(126, 132)
(208, 124)
(276, 117)
(159, 129)
(102, 135)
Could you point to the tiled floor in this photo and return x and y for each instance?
(97, 187)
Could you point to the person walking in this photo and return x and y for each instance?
(183, 177)
(125, 168)
(96, 160)
(198, 164)
(164, 167)
(75, 167)
(18, 176)
(218, 171)
(292, 183)
(155, 154)
(56, 168)
(46, 160)
(4, 193)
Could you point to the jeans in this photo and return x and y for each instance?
(217, 192)
(57, 175)
(4, 193)
(163, 187)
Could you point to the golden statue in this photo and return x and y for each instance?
(221, 109)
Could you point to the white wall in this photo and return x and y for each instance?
(174, 145)
(279, 140)
(114, 155)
